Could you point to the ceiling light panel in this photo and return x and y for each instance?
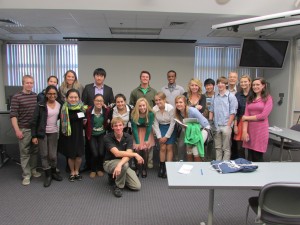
(135, 31)
(30, 30)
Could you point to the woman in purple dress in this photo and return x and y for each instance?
(255, 127)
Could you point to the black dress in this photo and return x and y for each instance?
(73, 146)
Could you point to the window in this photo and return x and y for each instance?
(213, 62)
(40, 61)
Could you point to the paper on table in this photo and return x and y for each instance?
(274, 128)
(185, 169)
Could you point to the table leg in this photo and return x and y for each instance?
(3, 157)
(281, 148)
(211, 206)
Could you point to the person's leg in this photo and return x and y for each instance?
(150, 158)
(181, 147)
(146, 159)
(226, 139)
(93, 148)
(101, 157)
(132, 181)
(162, 159)
(78, 161)
(43, 148)
(240, 149)
(52, 151)
(256, 156)
(71, 163)
(218, 145)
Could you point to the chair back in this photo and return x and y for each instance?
(281, 199)
(296, 127)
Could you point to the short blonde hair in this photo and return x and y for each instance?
(26, 77)
(116, 120)
(198, 83)
(136, 113)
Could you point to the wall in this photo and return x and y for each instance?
(2, 95)
(123, 62)
(281, 81)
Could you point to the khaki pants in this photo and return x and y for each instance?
(127, 177)
(223, 143)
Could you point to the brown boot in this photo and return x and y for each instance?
(197, 159)
(189, 157)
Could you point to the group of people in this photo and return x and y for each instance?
(120, 136)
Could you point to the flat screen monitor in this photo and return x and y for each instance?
(263, 53)
(9, 92)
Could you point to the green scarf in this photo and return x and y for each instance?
(64, 116)
(193, 136)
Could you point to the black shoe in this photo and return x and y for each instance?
(161, 170)
(71, 178)
(117, 192)
(78, 177)
(48, 178)
(55, 175)
(144, 173)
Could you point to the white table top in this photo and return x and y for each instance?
(267, 172)
(287, 134)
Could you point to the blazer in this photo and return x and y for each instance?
(89, 93)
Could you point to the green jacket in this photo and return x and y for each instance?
(138, 93)
(193, 136)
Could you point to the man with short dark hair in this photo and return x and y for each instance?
(98, 87)
(209, 85)
(172, 90)
(22, 108)
(118, 146)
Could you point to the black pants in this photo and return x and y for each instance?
(97, 152)
(255, 156)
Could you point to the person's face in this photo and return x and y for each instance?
(70, 78)
(180, 104)
(209, 88)
(160, 102)
(51, 95)
(120, 103)
(232, 78)
(52, 81)
(142, 107)
(145, 78)
(28, 84)
(99, 79)
(194, 87)
(244, 83)
(98, 102)
(221, 86)
(257, 86)
(171, 77)
(73, 98)
(118, 128)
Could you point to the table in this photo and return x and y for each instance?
(202, 176)
(285, 133)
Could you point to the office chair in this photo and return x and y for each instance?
(277, 203)
(288, 146)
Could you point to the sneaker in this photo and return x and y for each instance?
(92, 175)
(35, 173)
(100, 173)
(117, 192)
(71, 178)
(26, 181)
(78, 177)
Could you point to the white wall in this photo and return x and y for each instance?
(281, 81)
(123, 62)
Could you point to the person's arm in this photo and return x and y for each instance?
(34, 125)
(111, 96)
(135, 132)
(202, 103)
(84, 95)
(132, 99)
(172, 123)
(14, 122)
(156, 128)
(264, 114)
(149, 126)
(245, 135)
(14, 109)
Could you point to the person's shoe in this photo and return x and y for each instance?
(47, 178)
(144, 173)
(71, 178)
(35, 173)
(92, 175)
(161, 170)
(100, 173)
(117, 192)
(26, 181)
(55, 175)
(78, 177)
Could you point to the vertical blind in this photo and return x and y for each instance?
(213, 62)
(40, 61)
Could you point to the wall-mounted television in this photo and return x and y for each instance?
(261, 53)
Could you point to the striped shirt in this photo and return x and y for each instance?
(22, 107)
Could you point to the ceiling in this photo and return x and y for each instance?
(36, 22)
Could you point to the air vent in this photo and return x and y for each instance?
(31, 30)
(177, 24)
(135, 31)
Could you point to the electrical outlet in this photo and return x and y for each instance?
(281, 95)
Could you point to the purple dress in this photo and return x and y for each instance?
(258, 130)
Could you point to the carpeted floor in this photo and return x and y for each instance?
(91, 202)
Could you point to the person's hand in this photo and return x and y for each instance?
(235, 129)
(35, 141)
(19, 134)
(245, 137)
(117, 171)
(162, 140)
(146, 145)
(244, 118)
(84, 121)
(139, 159)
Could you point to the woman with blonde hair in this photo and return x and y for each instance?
(70, 82)
(164, 129)
(194, 95)
(142, 119)
(241, 96)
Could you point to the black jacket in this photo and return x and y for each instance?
(39, 120)
(89, 93)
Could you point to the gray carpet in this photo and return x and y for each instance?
(91, 202)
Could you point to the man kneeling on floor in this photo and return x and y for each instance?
(118, 147)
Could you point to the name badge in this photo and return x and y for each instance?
(80, 115)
